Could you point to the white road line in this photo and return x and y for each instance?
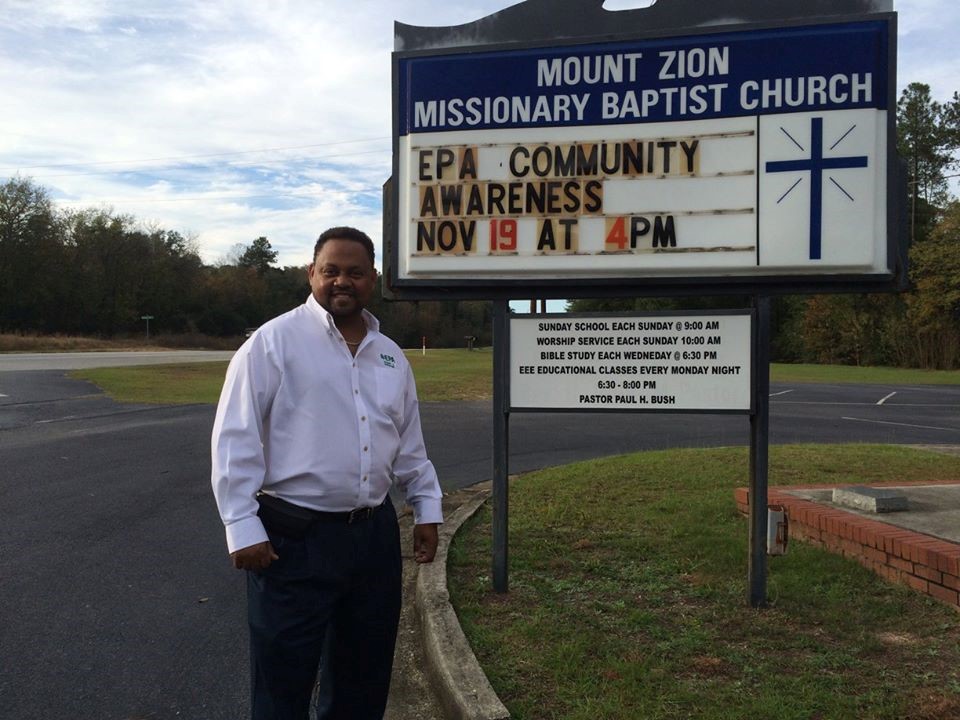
(884, 422)
(782, 392)
(53, 420)
(2, 395)
(882, 401)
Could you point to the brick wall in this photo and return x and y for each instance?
(920, 561)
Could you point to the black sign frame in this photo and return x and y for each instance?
(893, 280)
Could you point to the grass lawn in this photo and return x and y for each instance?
(442, 375)
(452, 374)
(628, 599)
(780, 372)
(161, 384)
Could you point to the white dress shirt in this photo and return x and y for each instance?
(301, 418)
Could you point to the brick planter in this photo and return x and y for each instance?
(920, 561)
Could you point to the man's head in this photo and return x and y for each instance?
(342, 275)
(345, 233)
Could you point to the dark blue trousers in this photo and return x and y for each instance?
(332, 601)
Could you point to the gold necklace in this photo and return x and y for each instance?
(354, 344)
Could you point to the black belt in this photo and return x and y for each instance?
(352, 516)
(293, 520)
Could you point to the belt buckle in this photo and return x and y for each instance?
(358, 514)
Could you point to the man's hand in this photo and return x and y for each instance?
(425, 539)
(255, 557)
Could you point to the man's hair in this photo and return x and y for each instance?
(345, 233)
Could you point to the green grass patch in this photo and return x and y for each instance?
(161, 384)
(628, 599)
(442, 375)
(452, 374)
(831, 374)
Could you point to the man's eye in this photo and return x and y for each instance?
(357, 274)
(327, 272)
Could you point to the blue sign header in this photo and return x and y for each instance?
(731, 74)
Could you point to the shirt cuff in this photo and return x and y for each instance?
(244, 533)
(427, 510)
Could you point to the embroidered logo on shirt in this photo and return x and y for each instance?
(388, 360)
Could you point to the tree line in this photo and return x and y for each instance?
(96, 272)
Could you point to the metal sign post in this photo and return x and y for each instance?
(501, 441)
(148, 318)
(759, 465)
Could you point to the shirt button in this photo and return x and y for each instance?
(364, 478)
(363, 418)
(364, 448)
(356, 392)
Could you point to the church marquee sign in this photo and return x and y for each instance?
(733, 154)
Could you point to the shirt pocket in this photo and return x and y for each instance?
(390, 393)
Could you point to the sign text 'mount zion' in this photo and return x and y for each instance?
(662, 362)
(740, 153)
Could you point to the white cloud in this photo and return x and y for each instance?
(927, 45)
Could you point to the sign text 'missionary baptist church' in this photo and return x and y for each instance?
(743, 152)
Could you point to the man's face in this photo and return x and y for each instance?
(342, 277)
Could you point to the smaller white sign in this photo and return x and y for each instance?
(636, 362)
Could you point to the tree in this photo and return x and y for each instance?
(286, 288)
(31, 262)
(846, 329)
(258, 255)
(933, 309)
(104, 256)
(171, 276)
(928, 134)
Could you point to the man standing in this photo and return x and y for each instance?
(318, 416)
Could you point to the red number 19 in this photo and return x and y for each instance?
(503, 235)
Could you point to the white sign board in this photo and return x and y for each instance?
(692, 362)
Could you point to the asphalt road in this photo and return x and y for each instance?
(116, 598)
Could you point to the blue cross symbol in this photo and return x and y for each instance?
(816, 164)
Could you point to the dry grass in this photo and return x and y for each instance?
(34, 342)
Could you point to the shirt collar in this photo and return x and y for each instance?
(327, 319)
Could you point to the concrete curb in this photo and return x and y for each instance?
(463, 687)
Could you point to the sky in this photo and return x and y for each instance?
(226, 120)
